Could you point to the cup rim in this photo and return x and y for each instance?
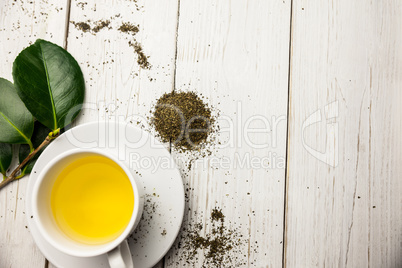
(102, 249)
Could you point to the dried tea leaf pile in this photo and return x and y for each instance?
(183, 119)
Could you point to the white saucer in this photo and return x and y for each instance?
(163, 188)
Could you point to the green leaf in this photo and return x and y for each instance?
(6, 155)
(39, 135)
(16, 123)
(50, 83)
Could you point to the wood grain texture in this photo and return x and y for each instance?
(21, 23)
(235, 53)
(345, 213)
(343, 198)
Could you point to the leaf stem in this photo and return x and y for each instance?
(31, 148)
(12, 177)
(20, 176)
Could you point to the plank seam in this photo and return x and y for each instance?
(285, 196)
(176, 42)
(164, 263)
(67, 23)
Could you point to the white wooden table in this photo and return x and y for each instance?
(324, 78)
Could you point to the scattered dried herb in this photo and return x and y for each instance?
(100, 25)
(86, 27)
(81, 5)
(221, 245)
(127, 27)
(83, 26)
(217, 215)
(142, 59)
(147, 223)
(183, 119)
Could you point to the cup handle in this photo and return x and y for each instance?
(120, 257)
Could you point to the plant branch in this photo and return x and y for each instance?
(12, 176)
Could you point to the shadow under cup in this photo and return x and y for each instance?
(43, 214)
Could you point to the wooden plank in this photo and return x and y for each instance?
(117, 87)
(21, 23)
(344, 187)
(235, 53)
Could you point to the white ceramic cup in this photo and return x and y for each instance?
(118, 252)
